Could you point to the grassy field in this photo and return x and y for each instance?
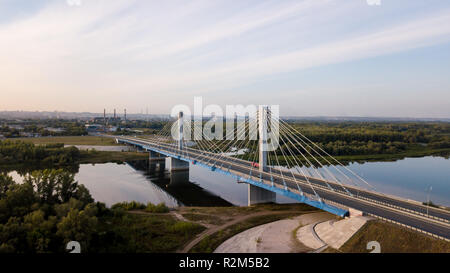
(231, 212)
(204, 218)
(393, 239)
(104, 157)
(144, 233)
(71, 140)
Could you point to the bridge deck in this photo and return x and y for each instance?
(288, 183)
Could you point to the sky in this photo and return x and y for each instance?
(310, 57)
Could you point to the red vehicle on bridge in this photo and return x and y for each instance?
(255, 165)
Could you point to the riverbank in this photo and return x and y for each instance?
(445, 153)
(347, 159)
(411, 150)
(93, 156)
(70, 140)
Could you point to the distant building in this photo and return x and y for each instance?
(112, 129)
(101, 120)
(55, 130)
(134, 130)
(29, 134)
(94, 128)
(17, 127)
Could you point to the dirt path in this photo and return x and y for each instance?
(174, 214)
(215, 229)
(274, 237)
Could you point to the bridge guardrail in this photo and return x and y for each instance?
(395, 222)
(408, 210)
(410, 227)
(397, 207)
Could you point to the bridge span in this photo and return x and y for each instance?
(260, 168)
(335, 200)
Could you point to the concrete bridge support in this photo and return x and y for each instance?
(176, 164)
(156, 161)
(257, 195)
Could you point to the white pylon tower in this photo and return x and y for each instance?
(180, 130)
(263, 117)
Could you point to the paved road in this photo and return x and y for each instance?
(389, 207)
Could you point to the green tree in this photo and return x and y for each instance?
(78, 225)
(5, 183)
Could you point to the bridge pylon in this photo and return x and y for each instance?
(180, 131)
(175, 163)
(257, 195)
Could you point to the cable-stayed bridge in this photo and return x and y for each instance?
(293, 166)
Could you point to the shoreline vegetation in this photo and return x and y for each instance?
(50, 209)
(70, 140)
(28, 154)
(380, 154)
(348, 159)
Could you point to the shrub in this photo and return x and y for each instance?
(160, 208)
(128, 205)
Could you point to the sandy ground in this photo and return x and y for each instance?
(276, 237)
(336, 233)
(318, 236)
(214, 229)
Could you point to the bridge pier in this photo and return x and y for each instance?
(156, 161)
(156, 157)
(257, 195)
(176, 164)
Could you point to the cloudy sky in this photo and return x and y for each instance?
(312, 57)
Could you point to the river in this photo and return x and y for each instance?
(111, 182)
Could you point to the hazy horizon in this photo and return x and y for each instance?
(316, 117)
(330, 58)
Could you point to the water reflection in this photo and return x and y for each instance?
(177, 184)
(408, 178)
(145, 181)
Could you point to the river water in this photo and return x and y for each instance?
(111, 183)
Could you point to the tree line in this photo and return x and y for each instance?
(363, 138)
(20, 152)
(50, 209)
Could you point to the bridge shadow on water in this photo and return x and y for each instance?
(177, 184)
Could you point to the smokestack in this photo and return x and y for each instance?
(125, 114)
(114, 114)
(104, 116)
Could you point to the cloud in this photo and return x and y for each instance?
(111, 51)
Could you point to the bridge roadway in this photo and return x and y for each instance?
(389, 207)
